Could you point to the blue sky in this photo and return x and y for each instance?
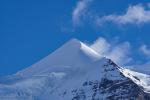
(31, 29)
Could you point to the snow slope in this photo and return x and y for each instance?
(74, 72)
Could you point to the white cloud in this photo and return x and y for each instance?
(101, 45)
(117, 52)
(145, 50)
(120, 53)
(80, 11)
(137, 14)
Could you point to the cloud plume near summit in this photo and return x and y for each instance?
(118, 52)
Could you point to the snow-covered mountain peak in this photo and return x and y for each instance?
(75, 44)
(74, 53)
(74, 72)
(74, 41)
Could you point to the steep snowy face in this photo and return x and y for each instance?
(72, 72)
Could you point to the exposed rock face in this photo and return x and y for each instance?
(106, 89)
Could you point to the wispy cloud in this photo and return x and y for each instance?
(101, 45)
(79, 11)
(145, 50)
(120, 52)
(136, 14)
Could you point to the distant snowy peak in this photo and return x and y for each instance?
(73, 53)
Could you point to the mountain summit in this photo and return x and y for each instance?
(74, 72)
(74, 53)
